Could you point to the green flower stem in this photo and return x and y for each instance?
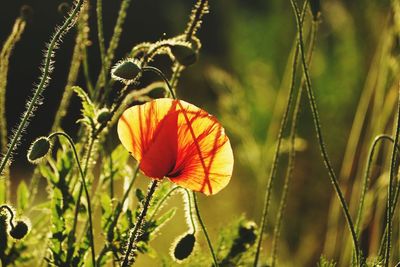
(32, 104)
(135, 233)
(292, 152)
(161, 74)
(267, 197)
(5, 54)
(203, 227)
(390, 202)
(100, 36)
(161, 202)
(321, 143)
(118, 210)
(190, 209)
(89, 206)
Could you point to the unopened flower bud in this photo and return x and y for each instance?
(126, 71)
(103, 115)
(39, 149)
(20, 230)
(184, 53)
(183, 247)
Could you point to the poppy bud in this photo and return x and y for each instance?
(184, 53)
(183, 247)
(26, 12)
(126, 71)
(247, 232)
(315, 7)
(39, 149)
(103, 115)
(19, 230)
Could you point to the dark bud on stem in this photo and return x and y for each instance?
(184, 54)
(39, 149)
(19, 230)
(126, 71)
(103, 115)
(184, 247)
(315, 6)
(26, 12)
(63, 8)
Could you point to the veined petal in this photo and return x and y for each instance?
(179, 140)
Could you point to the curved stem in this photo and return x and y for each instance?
(390, 203)
(161, 202)
(6, 207)
(321, 143)
(190, 209)
(292, 152)
(203, 227)
(71, 142)
(42, 84)
(159, 73)
(135, 233)
(275, 161)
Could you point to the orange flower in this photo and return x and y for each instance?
(175, 139)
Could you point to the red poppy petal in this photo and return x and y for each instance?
(179, 140)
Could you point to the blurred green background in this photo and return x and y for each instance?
(247, 45)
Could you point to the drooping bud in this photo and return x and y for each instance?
(315, 7)
(39, 149)
(184, 53)
(126, 71)
(103, 115)
(20, 230)
(183, 247)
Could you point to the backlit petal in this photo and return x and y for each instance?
(179, 140)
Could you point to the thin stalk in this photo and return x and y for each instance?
(292, 152)
(135, 233)
(117, 213)
(203, 227)
(390, 203)
(89, 206)
(190, 209)
(5, 54)
(32, 104)
(100, 36)
(161, 202)
(275, 161)
(318, 130)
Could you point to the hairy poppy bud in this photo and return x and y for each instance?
(103, 115)
(184, 53)
(183, 247)
(19, 230)
(315, 7)
(126, 71)
(247, 232)
(39, 149)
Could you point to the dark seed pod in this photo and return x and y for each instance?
(39, 149)
(103, 116)
(247, 232)
(184, 247)
(126, 71)
(184, 54)
(19, 230)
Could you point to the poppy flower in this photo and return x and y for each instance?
(175, 139)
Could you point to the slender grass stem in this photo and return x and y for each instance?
(292, 152)
(318, 129)
(203, 227)
(100, 36)
(89, 206)
(135, 233)
(5, 54)
(32, 104)
(275, 161)
(392, 175)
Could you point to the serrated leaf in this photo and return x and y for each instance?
(22, 196)
(88, 108)
(163, 219)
